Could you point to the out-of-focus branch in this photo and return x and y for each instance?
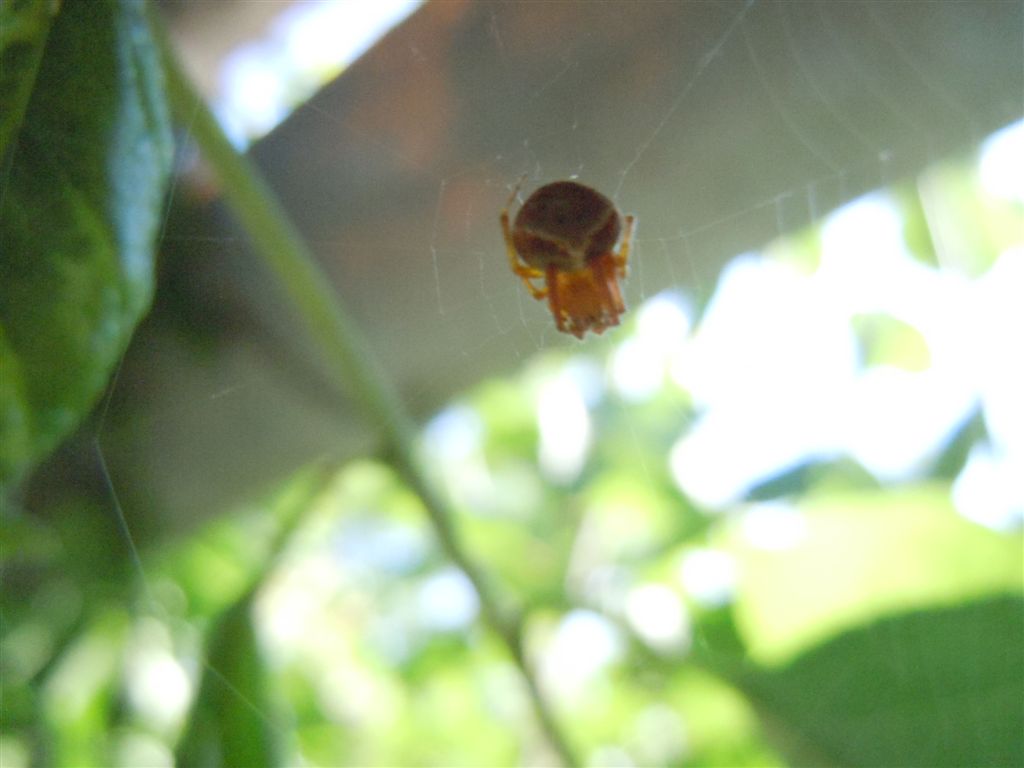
(356, 367)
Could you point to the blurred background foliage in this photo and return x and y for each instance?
(822, 614)
(771, 520)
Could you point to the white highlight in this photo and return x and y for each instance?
(1002, 163)
(656, 614)
(583, 645)
(990, 490)
(709, 575)
(447, 601)
(774, 368)
(766, 366)
(159, 687)
(310, 43)
(639, 364)
(774, 526)
(565, 431)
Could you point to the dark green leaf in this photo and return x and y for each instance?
(790, 482)
(954, 455)
(80, 208)
(24, 25)
(942, 687)
(799, 479)
(232, 722)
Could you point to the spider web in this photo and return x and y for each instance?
(562, 143)
(548, 127)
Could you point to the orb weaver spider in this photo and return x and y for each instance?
(565, 233)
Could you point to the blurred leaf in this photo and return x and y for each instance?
(799, 479)
(80, 209)
(232, 554)
(436, 654)
(509, 412)
(861, 555)
(23, 29)
(719, 636)
(449, 720)
(886, 340)
(634, 524)
(941, 687)
(971, 432)
(969, 233)
(639, 436)
(25, 539)
(232, 722)
(80, 695)
(720, 726)
(916, 233)
(506, 545)
(801, 250)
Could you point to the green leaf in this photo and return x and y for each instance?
(80, 208)
(886, 340)
(24, 25)
(232, 722)
(971, 431)
(801, 478)
(940, 687)
(917, 234)
(864, 554)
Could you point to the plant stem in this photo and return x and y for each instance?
(346, 349)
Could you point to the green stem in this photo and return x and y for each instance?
(351, 357)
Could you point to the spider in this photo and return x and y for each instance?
(566, 233)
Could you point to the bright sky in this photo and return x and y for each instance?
(791, 334)
(307, 45)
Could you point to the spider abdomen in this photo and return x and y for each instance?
(565, 225)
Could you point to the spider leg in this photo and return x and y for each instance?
(537, 293)
(554, 300)
(515, 191)
(605, 273)
(622, 257)
(525, 273)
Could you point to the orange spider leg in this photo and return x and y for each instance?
(554, 299)
(622, 257)
(525, 272)
(605, 270)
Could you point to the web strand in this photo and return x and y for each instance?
(704, 63)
